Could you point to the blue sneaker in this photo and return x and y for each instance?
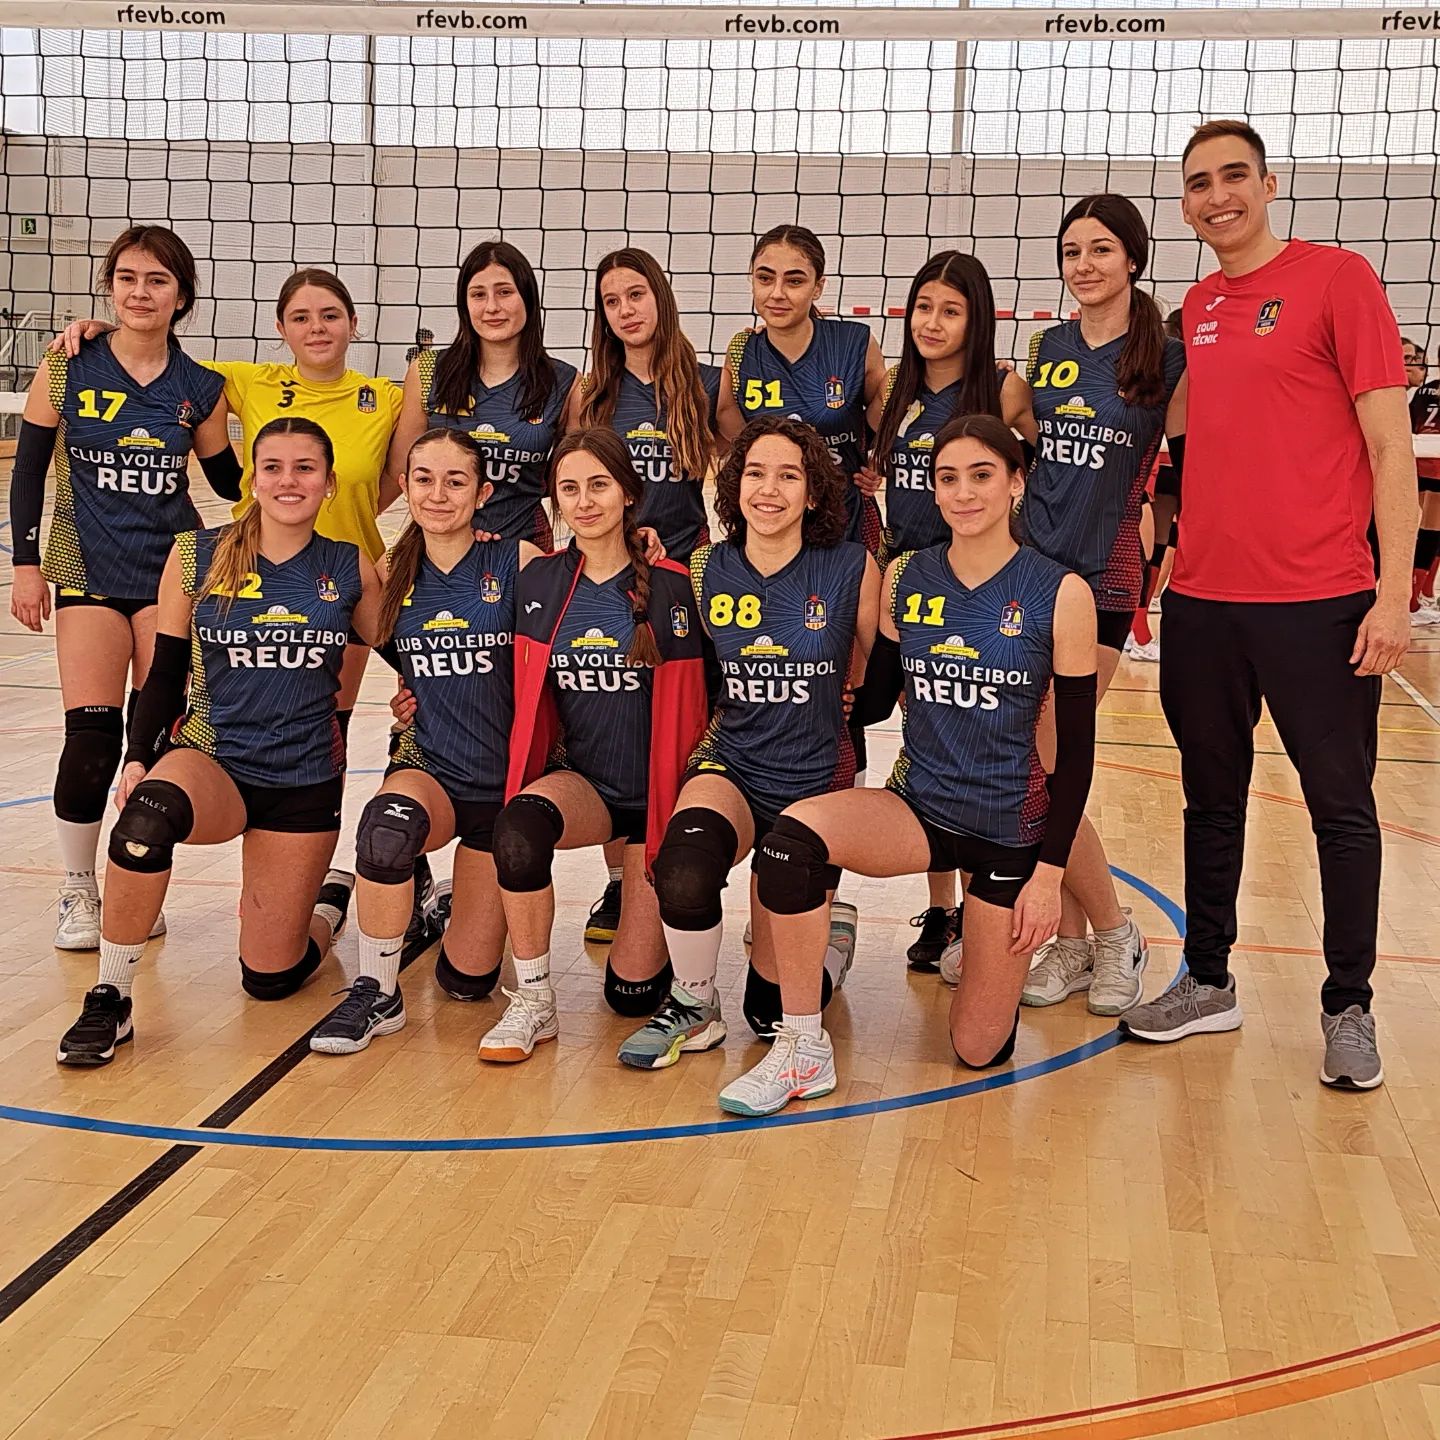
(681, 1024)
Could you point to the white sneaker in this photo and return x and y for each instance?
(1128, 646)
(527, 1022)
(1149, 652)
(798, 1067)
(1062, 968)
(159, 928)
(1118, 979)
(78, 927)
(1422, 616)
(951, 962)
(840, 953)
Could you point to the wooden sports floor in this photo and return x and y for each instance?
(222, 1235)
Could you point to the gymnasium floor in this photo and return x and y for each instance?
(1101, 1241)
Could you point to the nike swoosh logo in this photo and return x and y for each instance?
(994, 876)
(532, 606)
(696, 831)
(1218, 300)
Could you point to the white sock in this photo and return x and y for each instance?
(79, 844)
(331, 916)
(805, 1024)
(349, 965)
(694, 956)
(380, 958)
(534, 975)
(117, 964)
(617, 873)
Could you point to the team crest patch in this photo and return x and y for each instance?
(1269, 317)
(187, 412)
(327, 590)
(679, 622)
(1012, 619)
(835, 393)
(365, 400)
(489, 589)
(814, 613)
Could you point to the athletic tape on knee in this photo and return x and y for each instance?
(691, 869)
(280, 984)
(460, 986)
(763, 1006)
(793, 873)
(156, 818)
(636, 998)
(390, 837)
(89, 758)
(527, 831)
(1000, 1056)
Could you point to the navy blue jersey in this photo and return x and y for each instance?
(121, 492)
(673, 504)
(783, 642)
(516, 447)
(1083, 497)
(603, 700)
(825, 388)
(912, 518)
(977, 666)
(455, 639)
(265, 665)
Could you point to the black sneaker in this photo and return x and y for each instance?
(604, 916)
(335, 892)
(362, 1013)
(104, 1023)
(938, 929)
(420, 929)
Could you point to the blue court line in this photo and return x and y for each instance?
(174, 1134)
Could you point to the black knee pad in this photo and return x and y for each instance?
(460, 986)
(762, 1005)
(691, 868)
(527, 831)
(793, 873)
(156, 818)
(391, 835)
(637, 998)
(89, 758)
(131, 701)
(1000, 1056)
(280, 984)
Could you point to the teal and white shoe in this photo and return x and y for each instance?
(682, 1024)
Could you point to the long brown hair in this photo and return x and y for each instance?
(997, 437)
(321, 280)
(403, 560)
(238, 548)
(1140, 369)
(825, 486)
(168, 248)
(676, 371)
(807, 242)
(609, 449)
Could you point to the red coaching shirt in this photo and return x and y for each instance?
(1278, 490)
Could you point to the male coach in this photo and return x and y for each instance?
(1298, 429)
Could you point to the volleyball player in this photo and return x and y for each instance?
(978, 628)
(947, 368)
(646, 383)
(127, 410)
(791, 611)
(1424, 420)
(1107, 388)
(447, 620)
(496, 382)
(256, 615)
(609, 703)
(1296, 379)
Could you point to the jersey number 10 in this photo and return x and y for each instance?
(1066, 373)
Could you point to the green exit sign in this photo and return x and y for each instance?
(29, 225)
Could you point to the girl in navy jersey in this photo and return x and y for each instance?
(255, 615)
(791, 611)
(947, 368)
(496, 382)
(609, 703)
(447, 622)
(121, 419)
(1107, 388)
(979, 628)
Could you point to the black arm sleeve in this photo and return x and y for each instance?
(161, 701)
(1074, 765)
(27, 489)
(1177, 464)
(223, 472)
(884, 680)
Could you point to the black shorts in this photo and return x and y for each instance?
(761, 816)
(1430, 484)
(997, 872)
(631, 826)
(1112, 626)
(293, 809)
(474, 819)
(1167, 482)
(65, 597)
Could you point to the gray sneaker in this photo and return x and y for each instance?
(1352, 1059)
(1186, 1008)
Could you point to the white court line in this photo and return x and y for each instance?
(1416, 696)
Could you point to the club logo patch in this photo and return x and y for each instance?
(814, 613)
(489, 589)
(365, 400)
(1012, 619)
(835, 393)
(679, 622)
(187, 412)
(1269, 317)
(327, 590)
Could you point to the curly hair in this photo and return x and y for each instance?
(825, 487)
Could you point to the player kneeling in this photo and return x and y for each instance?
(977, 629)
(257, 615)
